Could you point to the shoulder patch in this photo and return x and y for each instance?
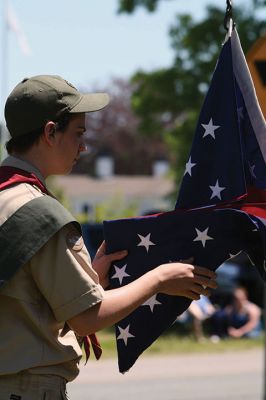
(74, 241)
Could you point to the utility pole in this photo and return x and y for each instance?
(4, 79)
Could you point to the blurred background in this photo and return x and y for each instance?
(155, 58)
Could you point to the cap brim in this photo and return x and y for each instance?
(91, 102)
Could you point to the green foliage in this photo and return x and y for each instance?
(154, 99)
(57, 191)
(259, 3)
(129, 6)
(115, 208)
(173, 343)
(168, 101)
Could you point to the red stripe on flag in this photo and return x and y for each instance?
(258, 210)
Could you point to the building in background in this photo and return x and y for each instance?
(118, 195)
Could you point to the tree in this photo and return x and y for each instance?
(168, 101)
(129, 6)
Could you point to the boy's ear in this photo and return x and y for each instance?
(49, 132)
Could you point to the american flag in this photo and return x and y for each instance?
(220, 211)
(229, 149)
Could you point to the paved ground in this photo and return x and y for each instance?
(218, 376)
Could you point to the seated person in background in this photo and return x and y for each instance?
(242, 318)
(197, 312)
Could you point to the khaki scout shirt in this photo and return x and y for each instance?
(54, 286)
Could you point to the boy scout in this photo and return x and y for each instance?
(50, 291)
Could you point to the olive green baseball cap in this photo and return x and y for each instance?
(42, 98)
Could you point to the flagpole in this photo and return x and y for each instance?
(4, 77)
(4, 55)
(229, 25)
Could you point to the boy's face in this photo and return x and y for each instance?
(69, 144)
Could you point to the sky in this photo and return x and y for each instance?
(87, 42)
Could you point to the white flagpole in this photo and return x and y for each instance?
(4, 53)
(10, 23)
(4, 78)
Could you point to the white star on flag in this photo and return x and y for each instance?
(145, 241)
(210, 128)
(189, 166)
(151, 302)
(120, 273)
(202, 236)
(124, 334)
(216, 190)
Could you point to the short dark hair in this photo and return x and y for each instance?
(23, 143)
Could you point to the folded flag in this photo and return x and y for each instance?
(220, 211)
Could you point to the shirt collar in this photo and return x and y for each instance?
(12, 161)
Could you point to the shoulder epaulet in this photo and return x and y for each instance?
(27, 230)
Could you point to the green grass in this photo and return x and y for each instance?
(173, 343)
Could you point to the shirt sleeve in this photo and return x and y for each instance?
(63, 273)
